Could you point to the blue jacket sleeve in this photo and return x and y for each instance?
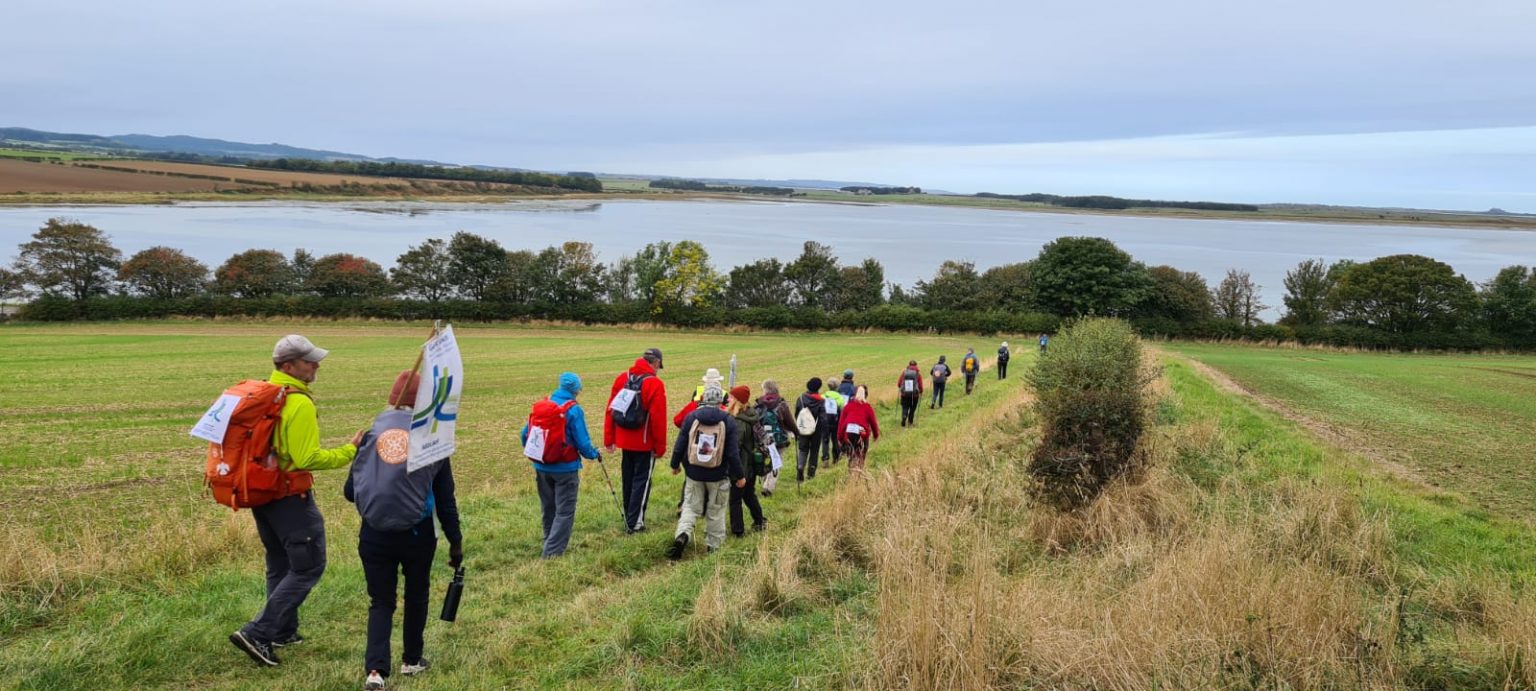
(575, 432)
(525, 434)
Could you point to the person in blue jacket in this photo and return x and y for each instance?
(559, 479)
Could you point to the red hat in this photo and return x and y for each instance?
(403, 393)
(741, 394)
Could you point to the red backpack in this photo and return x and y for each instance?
(243, 471)
(546, 434)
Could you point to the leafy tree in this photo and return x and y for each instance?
(759, 284)
(568, 274)
(1403, 293)
(12, 285)
(1306, 293)
(1078, 276)
(955, 287)
(1008, 287)
(688, 281)
(422, 271)
(1236, 298)
(70, 258)
(522, 279)
(303, 267)
(163, 272)
(645, 269)
(348, 275)
(475, 264)
(859, 287)
(1181, 296)
(812, 275)
(900, 296)
(1509, 304)
(255, 274)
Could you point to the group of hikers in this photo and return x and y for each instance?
(726, 441)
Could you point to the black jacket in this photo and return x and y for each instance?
(730, 467)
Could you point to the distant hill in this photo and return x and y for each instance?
(128, 144)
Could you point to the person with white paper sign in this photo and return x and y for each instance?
(709, 447)
(555, 440)
(857, 426)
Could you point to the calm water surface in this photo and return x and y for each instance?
(910, 241)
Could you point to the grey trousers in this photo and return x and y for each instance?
(557, 496)
(293, 533)
(705, 500)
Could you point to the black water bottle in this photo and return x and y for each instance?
(455, 592)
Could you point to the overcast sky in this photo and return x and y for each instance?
(1381, 102)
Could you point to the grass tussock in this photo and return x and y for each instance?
(715, 627)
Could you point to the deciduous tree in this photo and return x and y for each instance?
(1306, 293)
(955, 287)
(689, 280)
(348, 275)
(812, 275)
(67, 257)
(1509, 304)
(422, 271)
(1236, 298)
(475, 264)
(759, 284)
(1403, 293)
(163, 272)
(1078, 276)
(1181, 296)
(255, 274)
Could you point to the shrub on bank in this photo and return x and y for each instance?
(1091, 404)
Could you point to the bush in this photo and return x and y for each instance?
(1091, 404)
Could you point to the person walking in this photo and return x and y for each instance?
(970, 365)
(559, 426)
(708, 449)
(847, 387)
(754, 439)
(1044, 341)
(910, 387)
(292, 530)
(856, 428)
(940, 374)
(808, 410)
(1003, 353)
(397, 536)
(832, 405)
(636, 422)
(777, 421)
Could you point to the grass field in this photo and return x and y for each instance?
(1463, 423)
(1251, 554)
(98, 425)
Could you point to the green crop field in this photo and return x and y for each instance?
(1464, 423)
(36, 153)
(119, 571)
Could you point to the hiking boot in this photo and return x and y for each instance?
(375, 681)
(759, 526)
(260, 651)
(680, 543)
(409, 669)
(295, 639)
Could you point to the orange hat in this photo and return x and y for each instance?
(742, 394)
(403, 393)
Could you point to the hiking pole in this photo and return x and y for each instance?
(609, 480)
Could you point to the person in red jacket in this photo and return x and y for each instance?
(857, 427)
(910, 386)
(639, 429)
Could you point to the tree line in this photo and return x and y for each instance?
(1399, 301)
(1099, 201)
(581, 183)
(701, 186)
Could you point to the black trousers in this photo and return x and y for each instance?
(829, 445)
(1002, 369)
(938, 394)
(745, 495)
(635, 475)
(909, 410)
(386, 556)
(970, 383)
(293, 534)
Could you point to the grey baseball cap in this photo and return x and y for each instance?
(654, 353)
(295, 347)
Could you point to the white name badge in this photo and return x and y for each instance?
(214, 423)
(534, 448)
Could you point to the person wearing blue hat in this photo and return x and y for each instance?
(555, 440)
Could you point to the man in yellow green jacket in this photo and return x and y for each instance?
(292, 529)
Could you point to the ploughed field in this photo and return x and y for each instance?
(62, 176)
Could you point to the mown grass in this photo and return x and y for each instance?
(118, 571)
(1461, 422)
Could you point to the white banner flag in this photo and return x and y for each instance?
(215, 422)
(437, 401)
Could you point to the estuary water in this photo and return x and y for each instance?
(911, 241)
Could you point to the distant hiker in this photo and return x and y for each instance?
(910, 386)
(397, 535)
(969, 366)
(1003, 353)
(711, 376)
(558, 427)
(777, 422)
(940, 373)
(636, 421)
(847, 387)
(708, 449)
(1044, 341)
(291, 528)
(857, 427)
(832, 406)
(808, 411)
(754, 459)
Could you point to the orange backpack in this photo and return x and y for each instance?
(243, 471)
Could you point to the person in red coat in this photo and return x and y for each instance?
(857, 426)
(642, 439)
